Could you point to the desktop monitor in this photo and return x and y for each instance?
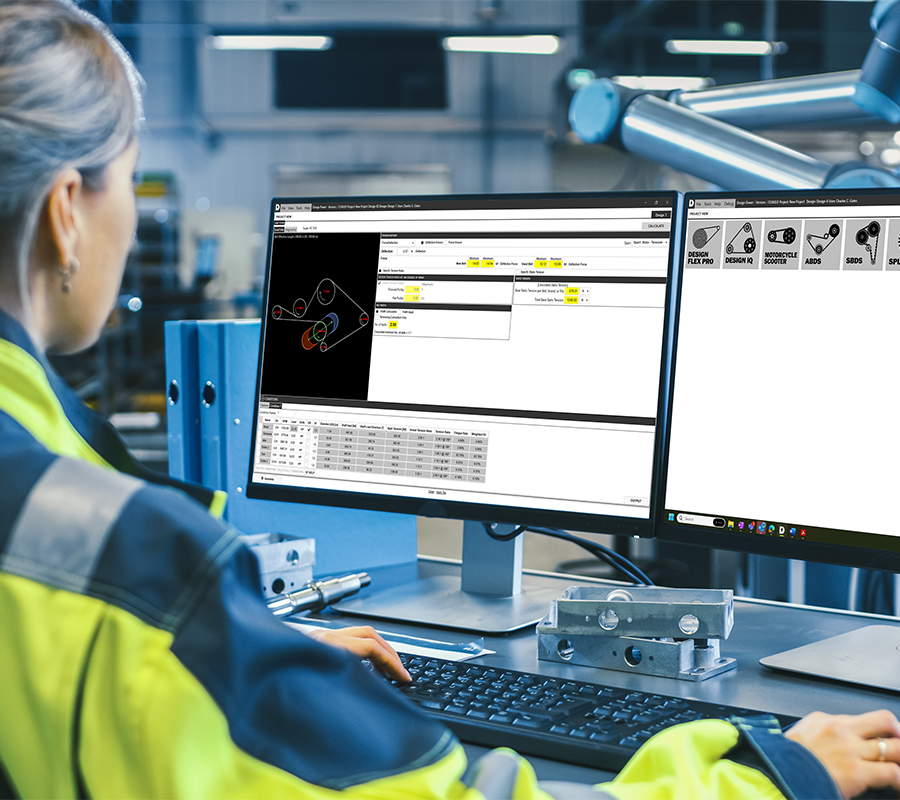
(783, 432)
(489, 358)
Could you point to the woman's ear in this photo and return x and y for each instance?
(62, 209)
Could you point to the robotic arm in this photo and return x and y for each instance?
(878, 91)
(704, 132)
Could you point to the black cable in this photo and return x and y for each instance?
(606, 554)
(614, 559)
(504, 537)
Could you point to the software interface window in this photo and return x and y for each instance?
(784, 415)
(504, 352)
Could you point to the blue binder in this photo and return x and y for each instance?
(183, 404)
(226, 353)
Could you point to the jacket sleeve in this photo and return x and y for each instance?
(742, 758)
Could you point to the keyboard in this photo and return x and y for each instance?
(563, 720)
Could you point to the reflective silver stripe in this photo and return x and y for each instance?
(495, 775)
(63, 525)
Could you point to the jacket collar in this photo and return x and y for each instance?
(102, 437)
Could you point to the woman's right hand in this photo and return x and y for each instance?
(861, 752)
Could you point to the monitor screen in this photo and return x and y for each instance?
(783, 428)
(494, 358)
(499, 356)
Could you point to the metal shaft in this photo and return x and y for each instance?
(722, 154)
(318, 594)
(807, 100)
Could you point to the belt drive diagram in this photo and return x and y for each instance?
(702, 236)
(868, 237)
(821, 243)
(747, 244)
(782, 236)
(333, 310)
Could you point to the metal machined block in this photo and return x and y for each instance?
(285, 561)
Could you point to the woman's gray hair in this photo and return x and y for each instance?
(70, 96)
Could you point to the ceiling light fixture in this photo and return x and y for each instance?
(543, 45)
(660, 83)
(725, 47)
(268, 42)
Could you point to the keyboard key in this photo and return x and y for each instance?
(648, 716)
(631, 742)
(605, 736)
(530, 721)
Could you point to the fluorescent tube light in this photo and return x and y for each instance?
(263, 42)
(725, 47)
(660, 83)
(529, 45)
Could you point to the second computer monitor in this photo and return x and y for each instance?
(784, 429)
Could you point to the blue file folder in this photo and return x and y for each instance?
(222, 366)
(183, 404)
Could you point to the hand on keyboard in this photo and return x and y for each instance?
(365, 642)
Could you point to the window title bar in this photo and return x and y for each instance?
(451, 202)
(792, 199)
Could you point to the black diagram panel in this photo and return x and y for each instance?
(319, 315)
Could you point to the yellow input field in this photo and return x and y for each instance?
(413, 289)
(571, 301)
(474, 262)
(555, 263)
(487, 262)
(540, 263)
(412, 298)
(392, 323)
(572, 290)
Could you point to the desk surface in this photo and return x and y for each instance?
(761, 628)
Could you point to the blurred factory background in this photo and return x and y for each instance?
(390, 101)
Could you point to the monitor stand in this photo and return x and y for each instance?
(869, 656)
(488, 597)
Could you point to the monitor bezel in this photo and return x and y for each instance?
(469, 511)
(841, 554)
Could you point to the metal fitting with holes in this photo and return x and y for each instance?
(671, 633)
(285, 561)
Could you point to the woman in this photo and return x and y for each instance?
(138, 656)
